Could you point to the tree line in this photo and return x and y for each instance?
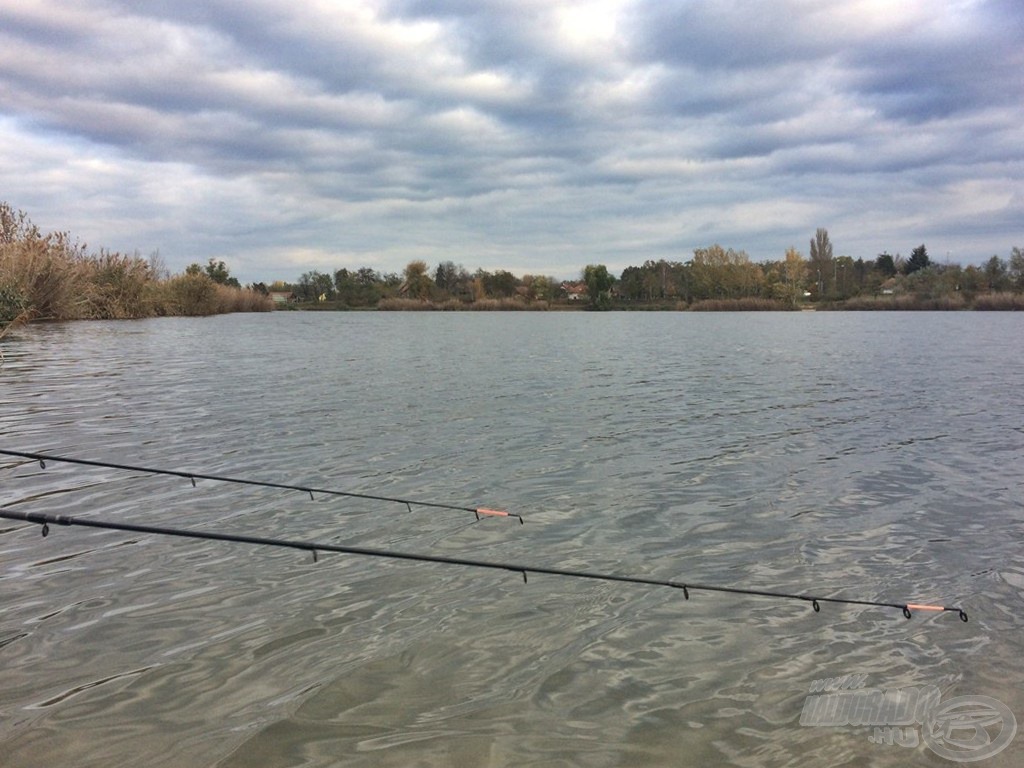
(446, 283)
(714, 276)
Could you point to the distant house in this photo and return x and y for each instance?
(575, 291)
(282, 297)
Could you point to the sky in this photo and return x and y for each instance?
(534, 136)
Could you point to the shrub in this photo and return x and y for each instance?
(191, 294)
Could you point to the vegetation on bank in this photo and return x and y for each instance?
(715, 279)
(52, 277)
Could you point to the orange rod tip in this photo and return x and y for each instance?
(913, 607)
(494, 512)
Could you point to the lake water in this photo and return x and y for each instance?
(873, 456)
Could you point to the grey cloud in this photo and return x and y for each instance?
(430, 127)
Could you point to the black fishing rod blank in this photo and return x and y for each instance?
(46, 520)
(42, 458)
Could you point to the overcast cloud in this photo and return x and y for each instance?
(527, 135)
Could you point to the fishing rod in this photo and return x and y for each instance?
(42, 458)
(46, 520)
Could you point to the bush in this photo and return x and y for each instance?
(192, 295)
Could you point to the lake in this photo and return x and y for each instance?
(869, 456)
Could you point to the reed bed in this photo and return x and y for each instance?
(50, 277)
(906, 303)
(1004, 302)
(750, 304)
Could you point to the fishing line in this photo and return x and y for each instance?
(42, 458)
(46, 520)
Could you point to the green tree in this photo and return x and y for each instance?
(631, 284)
(503, 284)
(542, 287)
(599, 284)
(446, 276)
(885, 264)
(918, 260)
(844, 273)
(997, 274)
(314, 284)
(793, 273)
(820, 266)
(716, 272)
(218, 272)
(417, 283)
(1016, 268)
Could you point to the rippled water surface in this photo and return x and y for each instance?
(873, 456)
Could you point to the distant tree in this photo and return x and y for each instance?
(918, 260)
(361, 288)
(844, 273)
(716, 272)
(997, 274)
(820, 264)
(542, 287)
(417, 282)
(793, 274)
(885, 264)
(599, 283)
(860, 274)
(314, 284)
(218, 272)
(503, 284)
(1016, 269)
(972, 281)
(194, 269)
(631, 284)
(446, 276)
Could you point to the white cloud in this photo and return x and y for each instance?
(281, 136)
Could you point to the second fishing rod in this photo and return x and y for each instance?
(42, 458)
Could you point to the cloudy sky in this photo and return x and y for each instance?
(535, 136)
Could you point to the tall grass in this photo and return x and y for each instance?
(905, 303)
(43, 276)
(999, 301)
(750, 304)
(116, 287)
(51, 277)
